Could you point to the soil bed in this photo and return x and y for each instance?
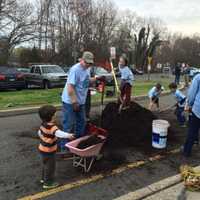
(131, 130)
(129, 127)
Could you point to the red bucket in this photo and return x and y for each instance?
(92, 129)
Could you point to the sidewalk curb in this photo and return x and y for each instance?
(30, 110)
(153, 188)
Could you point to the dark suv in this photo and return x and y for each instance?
(10, 78)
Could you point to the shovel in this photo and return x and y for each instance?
(116, 86)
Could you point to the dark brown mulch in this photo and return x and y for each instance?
(92, 140)
(128, 128)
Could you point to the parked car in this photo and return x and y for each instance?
(10, 78)
(99, 71)
(23, 69)
(46, 76)
(66, 68)
(166, 70)
(137, 71)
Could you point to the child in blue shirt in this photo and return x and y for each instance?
(181, 101)
(127, 79)
(153, 95)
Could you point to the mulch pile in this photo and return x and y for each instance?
(128, 128)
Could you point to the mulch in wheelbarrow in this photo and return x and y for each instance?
(92, 140)
(129, 127)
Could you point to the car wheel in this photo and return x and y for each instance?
(26, 85)
(46, 85)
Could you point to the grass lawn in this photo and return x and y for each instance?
(33, 97)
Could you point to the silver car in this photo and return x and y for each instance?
(46, 76)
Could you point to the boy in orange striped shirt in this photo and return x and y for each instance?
(48, 134)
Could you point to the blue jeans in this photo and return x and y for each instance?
(73, 121)
(180, 115)
(193, 134)
(177, 79)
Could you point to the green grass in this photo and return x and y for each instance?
(33, 97)
(29, 97)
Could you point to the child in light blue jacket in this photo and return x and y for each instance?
(127, 79)
(181, 101)
(154, 95)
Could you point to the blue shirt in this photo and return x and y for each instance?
(180, 98)
(194, 96)
(154, 92)
(126, 74)
(79, 77)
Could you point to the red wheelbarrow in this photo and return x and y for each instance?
(86, 157)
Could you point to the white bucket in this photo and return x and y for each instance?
(159, 136)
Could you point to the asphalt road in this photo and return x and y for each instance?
(20, 165)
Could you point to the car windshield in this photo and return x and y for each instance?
(7, 70)
(101, 71)
(66, 69)
(23, 69)
(52, 69)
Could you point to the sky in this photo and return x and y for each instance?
(181, 16)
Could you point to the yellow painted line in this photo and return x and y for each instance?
(63, 188)
(95, 178)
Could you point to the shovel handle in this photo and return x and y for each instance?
(114, 76)
(116, 83)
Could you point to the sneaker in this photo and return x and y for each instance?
(41, 181)
(50, 185)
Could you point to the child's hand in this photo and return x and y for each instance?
(71, 136)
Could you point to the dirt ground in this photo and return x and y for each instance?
(20, 161)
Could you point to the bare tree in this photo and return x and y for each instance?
(17, 25)
(67, 27)
(6, 7)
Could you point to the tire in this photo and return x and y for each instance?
(46, 84)
(26, 85)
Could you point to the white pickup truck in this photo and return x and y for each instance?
(46, 76)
